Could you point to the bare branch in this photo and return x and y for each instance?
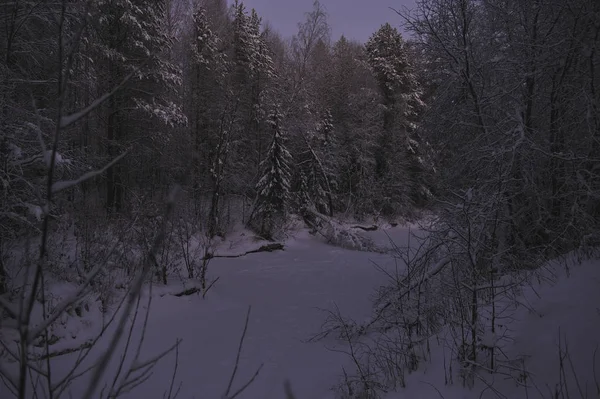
(132, 297)
(9, 377)
(63, 185)
(70, 119)
(237, 362)
(9, 309)
(248, 383)
(66, 303)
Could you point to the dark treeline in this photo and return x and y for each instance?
(208, 96)
(499, 99)
(514, 119)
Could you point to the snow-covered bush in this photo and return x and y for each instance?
(335, 232)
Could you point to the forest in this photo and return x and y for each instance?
(214, 102)
(138, 134)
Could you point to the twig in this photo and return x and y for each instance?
(9, 377)
(65, 304)
(237, 362)
(287, 387)
(171, 396)
(568, 356)
(63, 185)
(594, 371)
(70, 119)
(153, 360)
(209, 287)
(125, 351)
(133, 293)
(248, 383)
(239, 352)
(8, 307)
(434, 387)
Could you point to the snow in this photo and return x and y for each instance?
(36, 211)
(569, 306)
(58, 158)
(15, 151)
(489, 339)
(288, 292)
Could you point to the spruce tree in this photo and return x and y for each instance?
(273, 188)
(253, 73)
(131, 36)
(208, 69)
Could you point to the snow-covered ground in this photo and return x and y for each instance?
(288, 291)
(562, 304)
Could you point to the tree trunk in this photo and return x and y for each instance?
(114, 187)
(3, 275)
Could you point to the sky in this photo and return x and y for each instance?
(356, 19)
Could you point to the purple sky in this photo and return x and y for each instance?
(356, 19)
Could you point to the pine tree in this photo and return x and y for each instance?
(273, 188)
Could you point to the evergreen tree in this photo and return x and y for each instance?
(273, 188)
(250, 52)
(388, 57)
(320, 165)
(397, 164)
(205, 47)
(131, 37)
(207, 95)
(354, 101)
(253, 76)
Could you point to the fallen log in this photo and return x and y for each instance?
(189, 291)
(268, 248)
(264, 248)
(366, 228)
